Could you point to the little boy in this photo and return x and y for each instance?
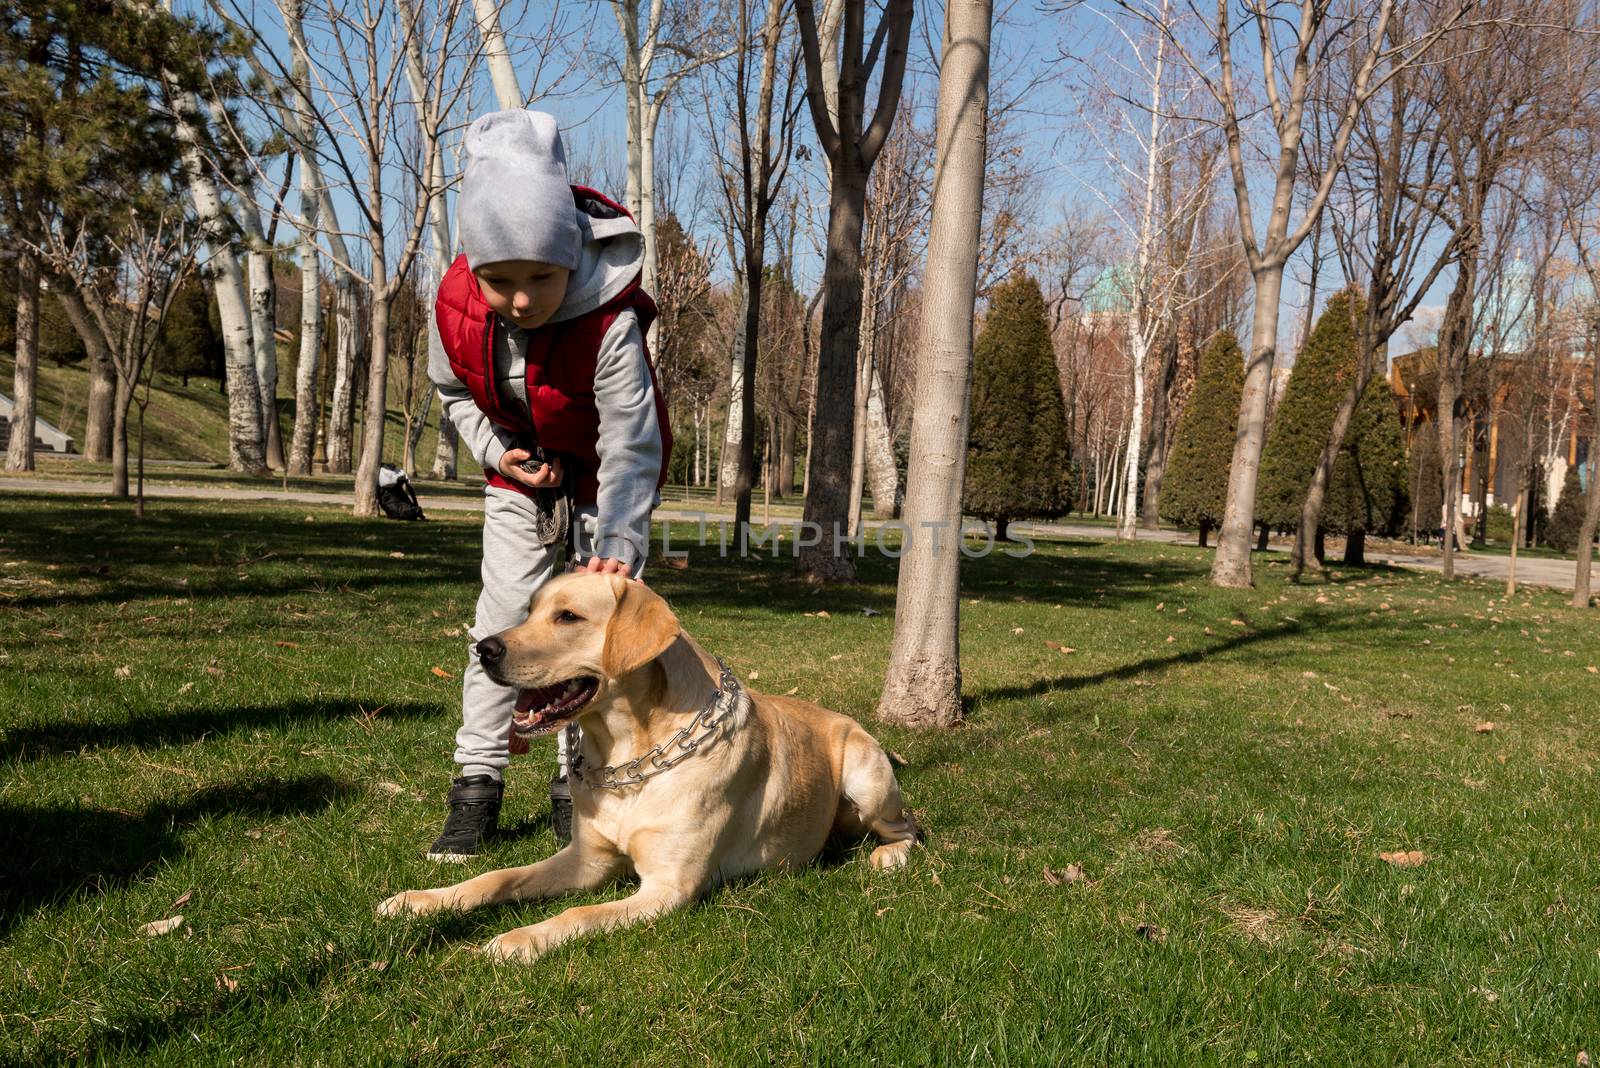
(542, 324)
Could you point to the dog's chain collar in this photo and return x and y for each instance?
(674, 750)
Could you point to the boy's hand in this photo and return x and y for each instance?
(549, 475)
(608, 565)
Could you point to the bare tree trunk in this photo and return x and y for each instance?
(1516, 540)
(858, 422)
(444, 453)
(507, 91)
(263, 298)
(439, 243)
(882, 470)
(1155, 469)
(341, 408)
(119, 438)
(1231, 567)
(1311, 509)
(733, 426)
(1591, 510)
(302, 448)
(1449, 438)
(102, 395)
(102, 371)
(1128, 525)
(833, 426)
(25, 373)
(303, 445)
(922, 686)
(851, 148)
(246, 441)
(372, 425)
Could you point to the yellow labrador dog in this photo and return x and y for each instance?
(684, 778)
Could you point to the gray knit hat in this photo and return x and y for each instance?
(515, 201)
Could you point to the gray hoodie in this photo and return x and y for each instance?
(630, 439)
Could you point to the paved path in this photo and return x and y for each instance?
(1537, 571)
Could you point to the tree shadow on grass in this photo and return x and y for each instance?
(49, 853)
(1327, 625)
(191, 725)
(1046, 576)
(182, 553)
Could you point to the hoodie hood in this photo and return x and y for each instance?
(610, 257)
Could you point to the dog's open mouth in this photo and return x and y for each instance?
(542, 710)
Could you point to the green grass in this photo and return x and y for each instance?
(1226, 766)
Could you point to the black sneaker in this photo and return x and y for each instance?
(474, 816)
(561, 809)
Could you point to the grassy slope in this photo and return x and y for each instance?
(187, 422)
(1226, 766)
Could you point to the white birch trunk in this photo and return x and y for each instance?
(439, 243)
(1143, 298)
(728, 469)
(341, 406)
(304, 441)
(246, 448)
(1129, 525)
(258, 259)
(507, 90)
(922, 686)
(881, 468)
(25, 372)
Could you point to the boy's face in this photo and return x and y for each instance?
(526, 292)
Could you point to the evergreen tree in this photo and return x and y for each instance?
(1195, 489)
(1367, 490)
(1322, 373)
(1564, 526)
(191, 343)
(1017, 449)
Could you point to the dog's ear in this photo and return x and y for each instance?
(641, 628)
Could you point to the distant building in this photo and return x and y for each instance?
(1504, 362)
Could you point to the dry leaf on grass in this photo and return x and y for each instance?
(124, 672)
(1486, 727)
(1259, 925)
(161, 927)
(1151, 933)
(1409, 858)
(823, 614)
(1072, 873)
(441, 672)
(287, 645)
(1058, 647)
(1583, 1058)
(1016, 630)
(227, 982)
(754, 675)
(397, 555)
(791, 691)
(183, 899)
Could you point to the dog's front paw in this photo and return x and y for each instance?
(413, 902)
(522, 946)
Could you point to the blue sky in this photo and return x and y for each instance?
(1063, 57)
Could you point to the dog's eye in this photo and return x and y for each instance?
(568, 616)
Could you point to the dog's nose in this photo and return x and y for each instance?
(491, 651)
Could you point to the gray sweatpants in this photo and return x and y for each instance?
(514, 566)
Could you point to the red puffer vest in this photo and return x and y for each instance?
(560, 367)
